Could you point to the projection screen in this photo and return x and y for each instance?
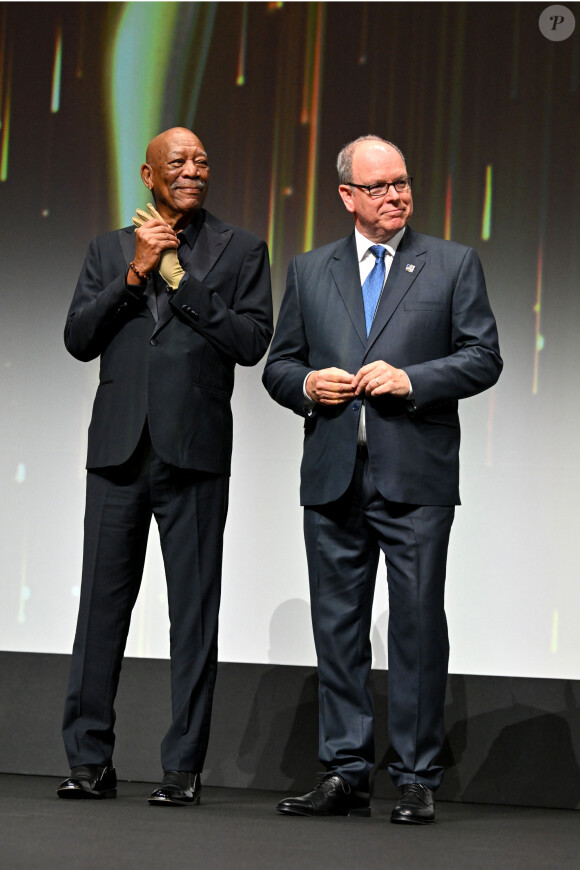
(486, 110)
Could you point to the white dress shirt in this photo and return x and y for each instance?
(366, 262)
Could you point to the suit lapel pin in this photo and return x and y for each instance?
(409, 267)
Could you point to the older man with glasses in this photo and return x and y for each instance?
(379, 335)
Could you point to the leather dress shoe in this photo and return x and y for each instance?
(91, 781)
(179, 788)
(331, 797)
(415, 805)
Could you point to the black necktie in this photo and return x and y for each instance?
(162, 291)
(161, 296)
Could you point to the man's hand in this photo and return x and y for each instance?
(380, 379)
(330, 386)
(156, 239)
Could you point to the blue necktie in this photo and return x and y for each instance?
(373, 284)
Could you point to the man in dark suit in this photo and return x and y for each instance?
(379, 335)
(169, 329)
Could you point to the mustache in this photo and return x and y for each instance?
(200, 183)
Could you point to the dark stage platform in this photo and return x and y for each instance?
(239, 829)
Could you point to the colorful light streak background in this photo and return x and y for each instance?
(486, 110)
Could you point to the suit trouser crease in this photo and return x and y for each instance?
(190, 509)
(343, 544)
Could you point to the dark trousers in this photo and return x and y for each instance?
(343, 543)
(190, 510)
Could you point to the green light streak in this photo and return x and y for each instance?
(137, 72)
(274, 184)
(56, 73)
(486, 217)
(6, 126)
(205, 14)
(241, 77)
(538, 313)
(448, 208)
(316, 25)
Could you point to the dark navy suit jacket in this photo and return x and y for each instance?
(177, 373)
(434, 321)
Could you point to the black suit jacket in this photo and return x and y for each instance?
(434, 321)
(177, 373)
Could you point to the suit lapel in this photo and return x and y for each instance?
(408, 261)
(210, 244)
(127, 241)
(346, 275)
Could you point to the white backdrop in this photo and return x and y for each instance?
(512, 592)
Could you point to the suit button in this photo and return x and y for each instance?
(153, 342)
(189, 310)
(356, 406)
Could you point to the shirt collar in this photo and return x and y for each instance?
(363, 244)
(190, 233)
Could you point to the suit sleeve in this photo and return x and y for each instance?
(240, 328)
(287, 365)
(474, 363)
(99, 307)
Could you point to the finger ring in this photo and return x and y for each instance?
(378, 382)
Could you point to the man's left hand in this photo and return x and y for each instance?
(381, 379)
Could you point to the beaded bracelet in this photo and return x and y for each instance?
(143, 276)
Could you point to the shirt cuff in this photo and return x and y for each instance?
(308, 402)
(410, 398)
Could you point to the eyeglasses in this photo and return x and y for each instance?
(382, 188)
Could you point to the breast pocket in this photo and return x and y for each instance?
(424, 305)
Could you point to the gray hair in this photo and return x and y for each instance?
(344, 159)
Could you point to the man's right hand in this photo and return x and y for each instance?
(330, 386)
(168, 263)
(151, 240)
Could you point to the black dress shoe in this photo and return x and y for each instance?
(89, 781)
(178, 789)
(331, 797)
(415, 805)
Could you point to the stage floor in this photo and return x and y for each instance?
(239, 829)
